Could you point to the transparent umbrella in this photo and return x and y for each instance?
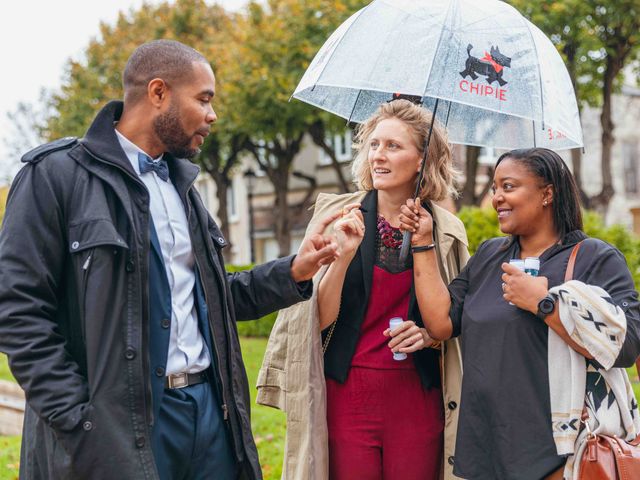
(498, 80)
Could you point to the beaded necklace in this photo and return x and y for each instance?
(390, 237)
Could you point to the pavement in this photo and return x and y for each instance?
(11, 408)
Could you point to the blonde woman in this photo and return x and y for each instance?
(385, 417)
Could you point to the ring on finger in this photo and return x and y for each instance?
(504, 286)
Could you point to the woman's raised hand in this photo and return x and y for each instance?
(415, 219)
(349, 229)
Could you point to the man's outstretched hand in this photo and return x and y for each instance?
(316, 250)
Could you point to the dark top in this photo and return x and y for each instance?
(354, 299)
(504, 429)
(390, 293)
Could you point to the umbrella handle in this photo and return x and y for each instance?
(406, 246)
(406, 237)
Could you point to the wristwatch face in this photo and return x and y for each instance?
(546, 305)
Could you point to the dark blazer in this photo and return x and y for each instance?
(353, 306)
(75, 309)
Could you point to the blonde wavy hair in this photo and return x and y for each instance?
(440, 175)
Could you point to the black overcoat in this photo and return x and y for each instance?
(76, 332)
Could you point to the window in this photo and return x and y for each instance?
(630, 162)
(487, 156)
(203, 188)
(232, 210)
(341, 144)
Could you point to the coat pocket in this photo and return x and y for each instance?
(93, 233)
(94, 243)
(271, 388)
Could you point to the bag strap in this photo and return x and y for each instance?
(568, 274)
(327, 339)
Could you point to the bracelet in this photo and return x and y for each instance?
(423, 248)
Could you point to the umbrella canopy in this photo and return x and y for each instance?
(499, 80)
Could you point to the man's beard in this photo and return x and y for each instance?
(168, 129)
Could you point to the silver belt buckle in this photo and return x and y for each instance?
(178, 380)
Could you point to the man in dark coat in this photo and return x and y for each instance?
(116, 312)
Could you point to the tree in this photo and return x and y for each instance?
(616, 25)
(96, 79)
(564, 22)
(4, 191)
(276, 44)
(596, 38)
(468, 196)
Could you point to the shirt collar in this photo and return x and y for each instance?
(131, 150)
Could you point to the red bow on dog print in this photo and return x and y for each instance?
(496, 66)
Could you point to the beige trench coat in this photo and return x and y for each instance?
(292, 374)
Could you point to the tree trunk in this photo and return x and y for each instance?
(576, 163)
(468, 196)
(601, 201)
(281, 212)
(570, 51)
(222, 187)
(278, 173)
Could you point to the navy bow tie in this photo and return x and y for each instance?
(147, 165)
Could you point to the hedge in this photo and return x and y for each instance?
(482, 224)
(253, 328)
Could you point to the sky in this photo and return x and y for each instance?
(37, 37)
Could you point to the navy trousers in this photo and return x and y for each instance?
(190, 441)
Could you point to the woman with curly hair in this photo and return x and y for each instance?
(385, 416)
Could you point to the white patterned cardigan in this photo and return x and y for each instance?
(598, 325)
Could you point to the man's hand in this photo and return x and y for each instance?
(316, 250)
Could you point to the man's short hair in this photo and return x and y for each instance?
(166, 59)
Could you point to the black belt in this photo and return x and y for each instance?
(181, 380)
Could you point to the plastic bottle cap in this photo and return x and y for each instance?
(516, 262)
(395, 322)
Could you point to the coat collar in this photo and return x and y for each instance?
(447, 229)
(102, 143)
(367, 248)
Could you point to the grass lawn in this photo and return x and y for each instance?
(268, 424)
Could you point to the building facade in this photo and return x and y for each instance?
(624, 207)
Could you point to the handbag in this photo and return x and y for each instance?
(605, 457)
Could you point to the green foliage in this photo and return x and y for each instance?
(566, 23)
(9, 458)
(268, 424)
(89, 83)
(253, 328)
(4, 191)
(482, 224)
(619, 237)
(5, 373)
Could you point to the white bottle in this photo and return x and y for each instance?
(516, 262)
(532, 266)
(394, 323)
